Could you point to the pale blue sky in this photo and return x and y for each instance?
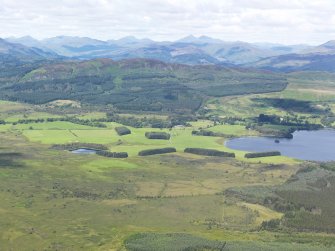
(282, 21)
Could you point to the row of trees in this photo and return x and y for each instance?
(154, 122)
(262, 154)
(157, 135)
(122, 130)
(209, 152)
(73, 120)
(112, 154)
(157, 151)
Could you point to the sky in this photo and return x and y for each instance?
(275, 21)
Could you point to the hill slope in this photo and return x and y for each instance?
(326, 48)
(298, 62)
(14, 51)
(138, 84)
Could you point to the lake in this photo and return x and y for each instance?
(305, 145)
(84, 151)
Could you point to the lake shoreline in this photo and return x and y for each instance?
(310, 145)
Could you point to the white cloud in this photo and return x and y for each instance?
(285, 21)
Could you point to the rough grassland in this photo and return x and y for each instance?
(95, 203)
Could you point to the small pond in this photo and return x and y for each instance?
(305, 145)
(84, 151)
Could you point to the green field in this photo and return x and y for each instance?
(66, 132)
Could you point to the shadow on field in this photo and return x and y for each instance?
(11, 160)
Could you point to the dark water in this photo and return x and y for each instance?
(84, 151)
(305, 145)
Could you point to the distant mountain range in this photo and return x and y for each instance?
(16, 51)
(319, 58)
(189, 50)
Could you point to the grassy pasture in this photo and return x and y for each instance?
(66, 132)
(236, 130)
(8, 106)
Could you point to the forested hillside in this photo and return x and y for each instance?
(137, 84)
